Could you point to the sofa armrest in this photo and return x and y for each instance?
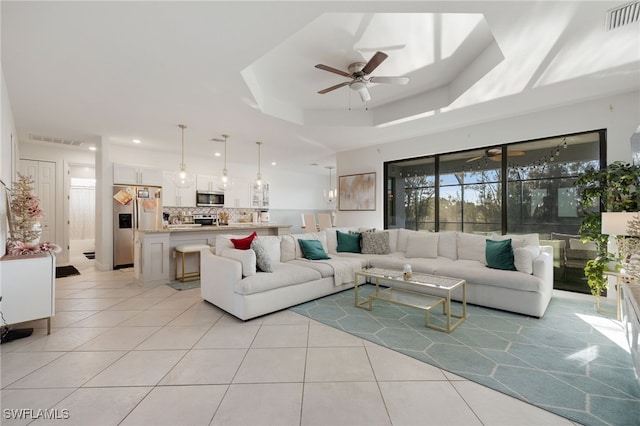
(543, 266)
(218, 276)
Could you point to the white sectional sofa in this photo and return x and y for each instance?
(231, 280)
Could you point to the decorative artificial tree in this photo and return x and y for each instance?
(24, 230)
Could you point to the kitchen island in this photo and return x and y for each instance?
(154, 250)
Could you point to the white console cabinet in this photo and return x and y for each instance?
(631, 320)
(27, 287)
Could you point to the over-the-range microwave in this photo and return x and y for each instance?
(209, 198)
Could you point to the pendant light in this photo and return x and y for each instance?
(330, 194)
(224, 183)
(258, 182)
(182, 178)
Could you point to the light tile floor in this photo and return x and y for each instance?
(121, 354)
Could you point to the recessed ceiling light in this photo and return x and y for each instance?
(273, 163)
(217, 154)
(136, 141)
(93, 148)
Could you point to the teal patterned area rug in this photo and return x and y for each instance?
(563, 362)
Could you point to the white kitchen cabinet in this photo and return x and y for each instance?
(176, 197)
(260, 197)
(151, 258)
(240, 195)
(128, 174)
(27, 287)
(207, 183)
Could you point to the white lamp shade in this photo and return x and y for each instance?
(617, 223)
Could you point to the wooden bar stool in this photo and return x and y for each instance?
(181, 251)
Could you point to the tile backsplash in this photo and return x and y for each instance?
(235, 215)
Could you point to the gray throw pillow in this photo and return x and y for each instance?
(375, 243)
(263, 260)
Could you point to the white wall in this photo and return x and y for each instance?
(618, 114)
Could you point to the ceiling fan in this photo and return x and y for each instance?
(360, 78)
(495, 154)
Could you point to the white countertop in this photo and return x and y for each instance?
(230, 227)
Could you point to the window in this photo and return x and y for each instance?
(516, 188)
(465, 191)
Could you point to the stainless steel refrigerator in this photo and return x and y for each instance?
(134, 207)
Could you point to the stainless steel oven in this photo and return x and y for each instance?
(209, 198)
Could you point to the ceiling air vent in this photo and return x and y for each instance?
(622, 15)
(59, 141)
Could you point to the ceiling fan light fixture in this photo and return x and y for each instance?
(360, 86)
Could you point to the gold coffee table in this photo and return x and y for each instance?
(422, 291)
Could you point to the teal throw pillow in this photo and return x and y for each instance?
(348, 243)
(500, 255)
(312, 249)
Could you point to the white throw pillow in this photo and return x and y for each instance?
(472, 247)
(516, 239)
(423, 244)
(321, 236)
(523, 258)
(246, 257)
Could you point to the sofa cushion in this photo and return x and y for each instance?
(375, 243)
(518, 240)
(471, 247)
(244, 243)
(523, 258)
(448, 244)
(364, 259)
(403, 238)
(325, 269)
(476, 273)
(422, 244)
(393, 239)
(332, 238)
(246, 257)
(312, 249)
(223, 241)
(284, 274)
(263, 260)
(499, 255)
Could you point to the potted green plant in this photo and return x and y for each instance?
(611, 189)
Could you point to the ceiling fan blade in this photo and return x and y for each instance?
(471, 160)
(515, 153)
(333, 70)
(496, 157)
(373, 63)
(390, 80)
(365, 96)
(329, 89)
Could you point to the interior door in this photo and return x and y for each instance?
(43, 174)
